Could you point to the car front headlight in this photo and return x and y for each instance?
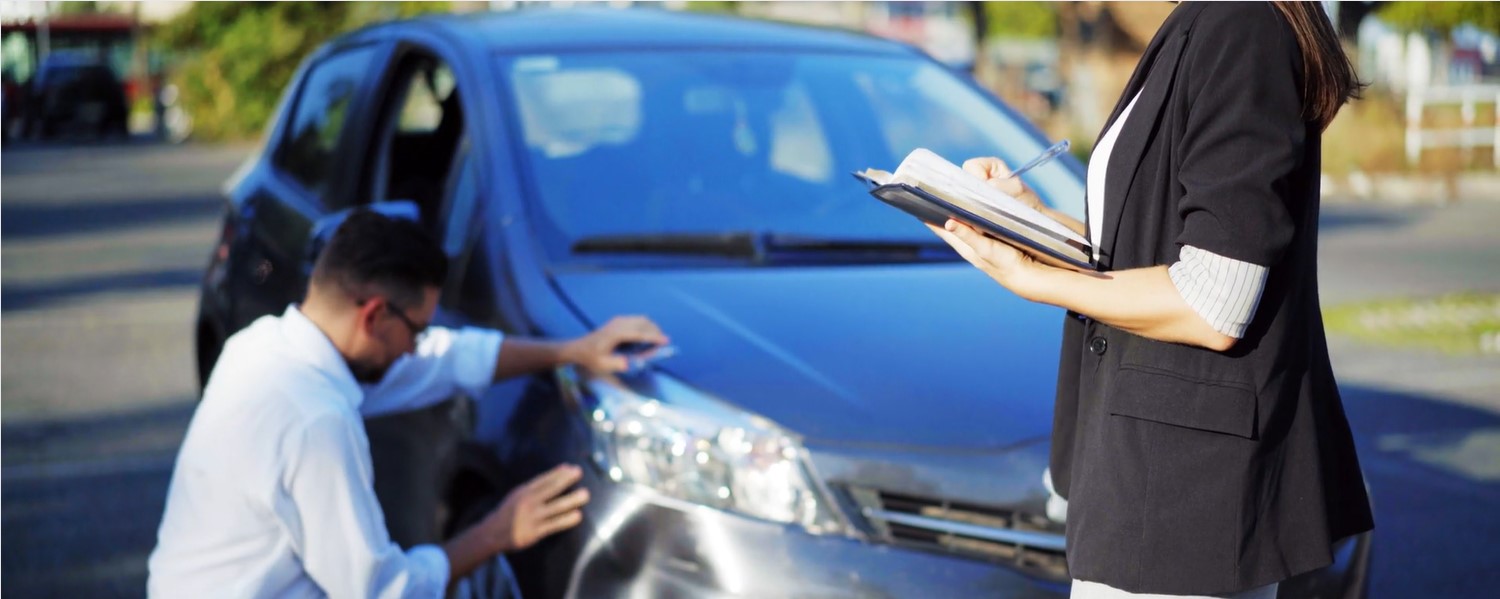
(663, 435)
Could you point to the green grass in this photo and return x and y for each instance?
(1464, 323)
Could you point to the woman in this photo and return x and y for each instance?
(1199, 436)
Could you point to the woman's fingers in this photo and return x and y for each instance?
(987, 167)
(988, 252)
(964, 250)
(996, 174)
(968, 236)
(1012, 186)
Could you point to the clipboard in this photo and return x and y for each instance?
(1043, 245)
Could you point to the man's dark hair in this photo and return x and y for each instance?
(374, 254)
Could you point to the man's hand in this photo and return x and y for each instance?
(528, 514)
(537, 509)
(596, 351)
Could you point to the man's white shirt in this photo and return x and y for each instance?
(272, 494)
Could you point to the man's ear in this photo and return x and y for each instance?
(369, 313)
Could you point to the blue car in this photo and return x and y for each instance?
(852, 409)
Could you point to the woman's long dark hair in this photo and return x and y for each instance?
(1328, 76)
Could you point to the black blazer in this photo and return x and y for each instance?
(1190, 471)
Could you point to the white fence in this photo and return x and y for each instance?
(1469, 98)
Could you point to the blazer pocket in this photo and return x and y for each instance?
(1169, 398)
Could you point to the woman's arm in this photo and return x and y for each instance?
(1143, 301)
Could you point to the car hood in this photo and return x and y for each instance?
(924, 355)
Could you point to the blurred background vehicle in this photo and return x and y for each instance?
(853, 412)
(72, 93)
(86, 40)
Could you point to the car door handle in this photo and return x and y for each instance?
(323, 228)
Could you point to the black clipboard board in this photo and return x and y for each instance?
(936, 211)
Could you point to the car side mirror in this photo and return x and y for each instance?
(323, 228)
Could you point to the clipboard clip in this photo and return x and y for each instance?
(870, 183)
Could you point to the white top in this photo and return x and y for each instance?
(1083, 589)
(1098, 168)
(272, 493)
(1224, 291)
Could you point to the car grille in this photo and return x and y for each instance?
(1027, 542)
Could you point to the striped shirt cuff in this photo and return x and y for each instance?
(1224, 291)
(428, 566)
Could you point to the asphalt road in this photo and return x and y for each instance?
(102, 248)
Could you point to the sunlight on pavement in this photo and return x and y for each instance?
(1472, 454)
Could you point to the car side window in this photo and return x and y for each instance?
(310, 152)
(422, 132)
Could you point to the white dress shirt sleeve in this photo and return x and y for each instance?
(445, 362)
(1224, 291)
(338, 528)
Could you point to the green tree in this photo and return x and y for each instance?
(1441, 17)
(714, 6)
(234, 59)
(75, 8)
(1031, 20)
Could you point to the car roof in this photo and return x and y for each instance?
(544, 30)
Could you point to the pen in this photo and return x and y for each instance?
(1046, 156)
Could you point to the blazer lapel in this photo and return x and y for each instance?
(1136, 134)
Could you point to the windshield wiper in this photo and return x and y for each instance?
(912, 249)
(769, 247)
(743, 244)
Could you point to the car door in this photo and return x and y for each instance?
(419, 160)
(311, 175)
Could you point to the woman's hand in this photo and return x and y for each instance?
(1007, 265)
(996, 173)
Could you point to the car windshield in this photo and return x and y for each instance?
(661, 143)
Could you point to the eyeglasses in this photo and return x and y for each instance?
(416, 331)
(401, 313)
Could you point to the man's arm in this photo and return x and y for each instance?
(337, 525)
(594, 351)
(341, 535)
(529, 514)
